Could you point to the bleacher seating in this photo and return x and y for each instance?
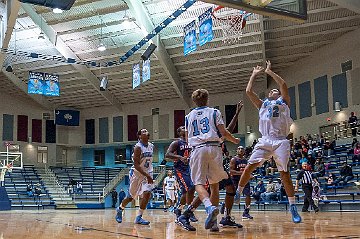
(93, 180)
(15, 184)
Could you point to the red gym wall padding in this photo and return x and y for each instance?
(179, 120)
(132, 127)
(22, 128)
(36, 131)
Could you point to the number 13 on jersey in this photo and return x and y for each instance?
(201, 126)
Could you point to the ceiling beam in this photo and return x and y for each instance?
(68, 53)
(142, 16)
(9, 20)
(352, 5)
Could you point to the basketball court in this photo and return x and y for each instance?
(101, 224)
(95, 52)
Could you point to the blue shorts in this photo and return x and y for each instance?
(225, 182)
(184, 181)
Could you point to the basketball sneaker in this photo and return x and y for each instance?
(141, 221)
(229, 222)
(183, 221)
(246, 214)
(192, 217)
(177, 212)
(119, 212)
(294, 213)
(237, 197)
(212, 212)
(215, 227)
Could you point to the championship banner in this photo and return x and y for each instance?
(51, 86)
(146, 70)
(35, 83)
(190, 38)
(136, 75)
(205, 26)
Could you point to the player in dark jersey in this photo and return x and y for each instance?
(237, 166)
(227, 184)
(179, 152)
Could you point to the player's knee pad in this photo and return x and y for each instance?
(231, 194)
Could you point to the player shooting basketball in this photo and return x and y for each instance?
(274, 126)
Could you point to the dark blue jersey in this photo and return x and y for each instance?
(183, 149)
(240, 165)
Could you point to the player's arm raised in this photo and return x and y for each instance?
(227, 135)
(249, 89)
(232, 124)
(137, 154)
(280, 81)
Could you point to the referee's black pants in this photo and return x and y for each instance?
(307, 188)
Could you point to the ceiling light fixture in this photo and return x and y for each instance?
(57, 10)
(41, 36)
(101, 46)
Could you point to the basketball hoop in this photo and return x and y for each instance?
(231, 25)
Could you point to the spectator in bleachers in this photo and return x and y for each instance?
(114, 197)
(353, 123)
(278, 186)
(270, 193)
(303, 159)
(71, 186)
(29, 190)
(38, 189)
(354, 142)
(356, 156)
(306, 178)
(258, 190)
(346, 174)
(271, 169)
(319, 168)
(317, 151)
(79, 188)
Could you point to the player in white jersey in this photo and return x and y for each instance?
(274, 126)
(203, 125)
(169, 188)
(141, 177)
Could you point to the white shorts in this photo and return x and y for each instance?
(267, 147)
(206, 164)
(138, 184)
(170, 194)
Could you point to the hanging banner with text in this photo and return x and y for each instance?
(136, 75)
(146, 70)
(205, 27)
(190, 38)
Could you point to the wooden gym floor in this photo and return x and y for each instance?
(72, 224)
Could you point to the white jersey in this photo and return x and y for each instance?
(201, 125)
(275, 120)
(146, 157)
(170, 182)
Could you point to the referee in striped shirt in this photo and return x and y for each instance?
(306, 178)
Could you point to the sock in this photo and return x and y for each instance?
(140, 212)
(247, 206)
(121, 207)
(207, 202)
(291, 200)
(227, 212)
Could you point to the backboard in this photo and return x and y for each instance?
(9, 160)
(295, 10)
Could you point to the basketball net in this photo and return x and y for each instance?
(231, 25)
